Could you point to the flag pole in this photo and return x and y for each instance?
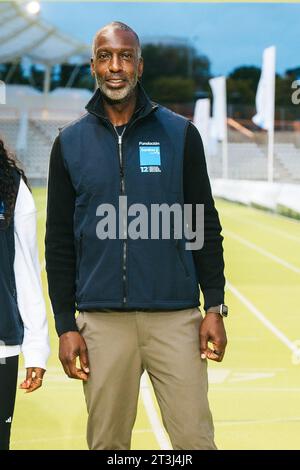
(271, 154)
(219, 120)
(225, 133)
(265, 105)
(225, 152)
(271, 128)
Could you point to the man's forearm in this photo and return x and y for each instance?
(209, 261)
(59, 243)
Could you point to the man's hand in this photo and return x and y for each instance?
(72, 345)
(34, 379)
(212, 330)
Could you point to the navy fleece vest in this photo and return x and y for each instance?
(11, 325)
(148, 273)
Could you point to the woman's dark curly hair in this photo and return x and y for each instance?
(8, 188)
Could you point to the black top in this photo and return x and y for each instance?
(11, 324)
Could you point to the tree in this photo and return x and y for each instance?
(37, 77)
(15, 72)
(246, 72)
(84, 79)
(173, 89)
(284, 90)
(65, 73)
(173, 62)
(293, 73)
(240, 91)
(242, 84)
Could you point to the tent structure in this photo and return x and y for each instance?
(24, 35)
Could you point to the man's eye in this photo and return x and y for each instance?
(127, 55)
(103, 56)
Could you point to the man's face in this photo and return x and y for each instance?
(116, 64)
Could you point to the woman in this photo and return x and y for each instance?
(23, 323)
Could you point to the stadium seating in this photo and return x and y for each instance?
(249, 161)
(289, 157)
(246, 160)
(9, 131)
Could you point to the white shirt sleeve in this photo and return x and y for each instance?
(27, 270)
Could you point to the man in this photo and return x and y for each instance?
(137, 298)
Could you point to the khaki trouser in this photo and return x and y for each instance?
(121, 345)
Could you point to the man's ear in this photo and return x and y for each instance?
(92, 66)
(140, 67)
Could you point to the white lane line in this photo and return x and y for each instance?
(153, 417)
(262, 212)
(265, 227)
(263, 252)
(293, 346)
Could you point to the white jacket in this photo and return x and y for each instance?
(35, 347)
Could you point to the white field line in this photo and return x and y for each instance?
(264, 320)
(153, 417)
(250, 245)
(146, 395)
(265, 213)
(145, 391)
(263, 252)
(266, 227)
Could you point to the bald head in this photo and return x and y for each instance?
(117, 63)
(114, 26)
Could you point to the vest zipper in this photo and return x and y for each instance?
(122, 191)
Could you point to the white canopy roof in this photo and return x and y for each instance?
(24, 35)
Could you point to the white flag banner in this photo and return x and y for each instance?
(219, 115)
(265, 96)
(2, 93)
(201, 120)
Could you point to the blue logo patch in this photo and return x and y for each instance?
(150, 157)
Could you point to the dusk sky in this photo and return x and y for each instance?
(229, 34)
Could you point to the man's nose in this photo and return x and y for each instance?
(115, 63)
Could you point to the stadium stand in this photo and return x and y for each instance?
(41, 135)
(9, 131)
(249, 161)
(246, 160)
(288, 156)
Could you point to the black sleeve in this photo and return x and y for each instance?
(59, 242)
(209, 262)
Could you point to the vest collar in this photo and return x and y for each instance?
(143, 104)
